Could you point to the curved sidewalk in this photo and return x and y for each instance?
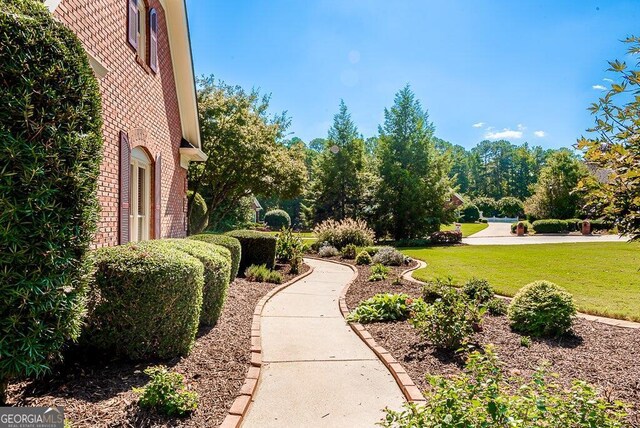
(316, 372)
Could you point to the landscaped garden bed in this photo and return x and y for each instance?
(98, 392)
(602, 355)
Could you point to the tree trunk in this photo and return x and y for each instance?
(4, 384)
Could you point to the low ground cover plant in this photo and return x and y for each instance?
(258, 248)
(231, 244)
(386, 307)
(328, 250)
(379, 272)
(344, 232)
(261, 273)
(542, 309)
(363, 258)
(146, 302)
(388, 256)
(483, 397)
(166, 393)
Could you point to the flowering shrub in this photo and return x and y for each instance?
(344, 232)
(446, 237)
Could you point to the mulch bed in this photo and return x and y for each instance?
(99, 393)
(603, 355)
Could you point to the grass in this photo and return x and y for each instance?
(305, 236)
(603, 277)
(468, 229)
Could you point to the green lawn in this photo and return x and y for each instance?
(468, 229)
(604, 278)
(309, 236)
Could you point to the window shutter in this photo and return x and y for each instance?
(125, 165)
(153, 40)
(157, 198)
(132, 23)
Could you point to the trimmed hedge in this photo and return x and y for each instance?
(446, 237)
(147, 302)
(231, 244)
(277, 219)
(550, 226)
(198, 216)
(601, 225)
(51, 138)
(574, 225)
(217, 268)
(258, 248)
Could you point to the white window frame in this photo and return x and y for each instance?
(140, 162)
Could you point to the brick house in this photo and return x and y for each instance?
(141, 54)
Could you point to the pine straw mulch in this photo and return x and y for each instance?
(99, 393)
(603, 355)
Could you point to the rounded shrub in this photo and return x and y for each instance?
(469, 213)
(550, 226)
(198, 213)
(542, 309)
(228, 242)
(277, 219)
(510, 207)
(147, 301)
(258, 248)
(217, 267)
(363, 258)
(388, 256)
(50, 132)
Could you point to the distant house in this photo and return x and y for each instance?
(456, 199)
(255, 205)
(140, 52)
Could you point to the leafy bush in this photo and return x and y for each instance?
(379, 272)
(166, 393)
(296, 262)
(550, 226)
(262, 273)
(363, 258)
(148, 301)
(328, 251)
(51, 139)
(510, 207)
(288, 245)
(542, 309)
(217, 266)
(478, 290)
(488, 206)
(574, 225)
(469, 213)
(449, 322)
(258, 248)
(198, 214)
(231, 244)
(349, 252)
(344, 232)
(440, 288)
(446, 237)
(526, 224)
(482, 397)
(389, 256)
(371, 250)
(599, 225)
(277, 219)
(386, 307)
(497, 306)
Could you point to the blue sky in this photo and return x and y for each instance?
(519, 70)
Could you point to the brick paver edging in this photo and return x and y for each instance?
(407, 386)
(241, 404)
(407, 274)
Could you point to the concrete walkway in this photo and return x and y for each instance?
(316, 372)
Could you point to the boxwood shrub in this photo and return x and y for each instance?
(550, 226)
(228, 242)
(542, 309)
(217, 267)
(277, 219)
(51, 139)
(147, 302)
(258, 248)
(198, 215)
(601, 225)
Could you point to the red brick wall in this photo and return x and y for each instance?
(134, 100)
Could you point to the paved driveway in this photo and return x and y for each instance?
(538, 239)
(494, 229)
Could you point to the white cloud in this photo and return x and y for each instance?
(521, 127)
(505, 133)
(478, 125)
(599, 87)
(540, 134)
(608, 80)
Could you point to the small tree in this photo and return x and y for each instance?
(50, 131)
(488, 206)
(616, 148)
(510, 207)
